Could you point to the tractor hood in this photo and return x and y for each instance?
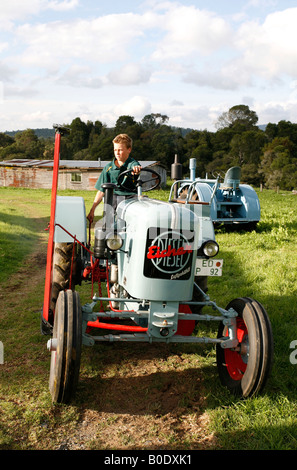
(158, 256)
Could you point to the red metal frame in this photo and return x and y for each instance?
(48, 273)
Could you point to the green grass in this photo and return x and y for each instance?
(18, 229)
(261, 264)
(24, 217)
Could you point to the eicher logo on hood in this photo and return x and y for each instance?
(169, 254)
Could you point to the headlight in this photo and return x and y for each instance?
(210, 248)
(114, 241)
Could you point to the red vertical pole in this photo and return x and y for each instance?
(50, 246)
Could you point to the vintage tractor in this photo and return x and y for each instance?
(154, 258)
(232, 204)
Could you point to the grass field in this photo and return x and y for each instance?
(135, 397)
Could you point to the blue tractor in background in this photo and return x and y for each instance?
(233, 204)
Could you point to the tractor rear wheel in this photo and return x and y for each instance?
(65, 347)
(62, 261)
(245, 369)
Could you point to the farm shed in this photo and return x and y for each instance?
(73, 174)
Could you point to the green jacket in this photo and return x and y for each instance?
(111, 172)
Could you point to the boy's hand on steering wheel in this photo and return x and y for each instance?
(136, 170)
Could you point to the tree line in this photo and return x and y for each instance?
(266, 156)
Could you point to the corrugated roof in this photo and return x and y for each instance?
(83, 164)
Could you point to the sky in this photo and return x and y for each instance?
(191, 60)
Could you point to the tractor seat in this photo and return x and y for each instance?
(232, 178)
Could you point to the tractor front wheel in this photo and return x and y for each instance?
(65, 347)
(244, 369)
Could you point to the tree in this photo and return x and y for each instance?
(154, 120)
(124, 122)
(164, 145)
(271, 130)
(268, 156)
(79, 135)
(28, 144)
(246, 147)
(221, 139)
(95, 131)
(48, 152)
(102, 148)
(128, 125)
(5, 140)
(279, 165)
(239, 117)
(287, 129)
(198, 145)
(219, 164)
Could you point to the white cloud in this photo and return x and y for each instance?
(275, 111)
(19, 9)
(13, 11)
(4, 46)
(7, 72)
(262, 53)
(37, 116)
(62, 5)
(190, 30)
(270, 49)
(129, 74)
(24, 92)
(163, 56)
(1, 93)
(137, 106)
(176, 103)
(224, 77)
(100, 40)
(80, 76)
(196, 117)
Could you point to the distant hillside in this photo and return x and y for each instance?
(45, 133)
(50, 133)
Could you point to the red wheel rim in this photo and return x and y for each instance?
(233, 359)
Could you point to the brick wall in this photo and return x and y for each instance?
(35, 177)
(12, 176)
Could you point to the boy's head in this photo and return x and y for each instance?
(123, 139)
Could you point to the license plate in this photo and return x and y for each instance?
(209, 267)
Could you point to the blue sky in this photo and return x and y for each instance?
(191, 60)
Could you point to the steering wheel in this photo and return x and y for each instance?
(217, 175)
(135, 179)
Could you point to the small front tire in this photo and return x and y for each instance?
(244, 370)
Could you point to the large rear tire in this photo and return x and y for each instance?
(244, 370)
(62, 262)
(66, 347)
